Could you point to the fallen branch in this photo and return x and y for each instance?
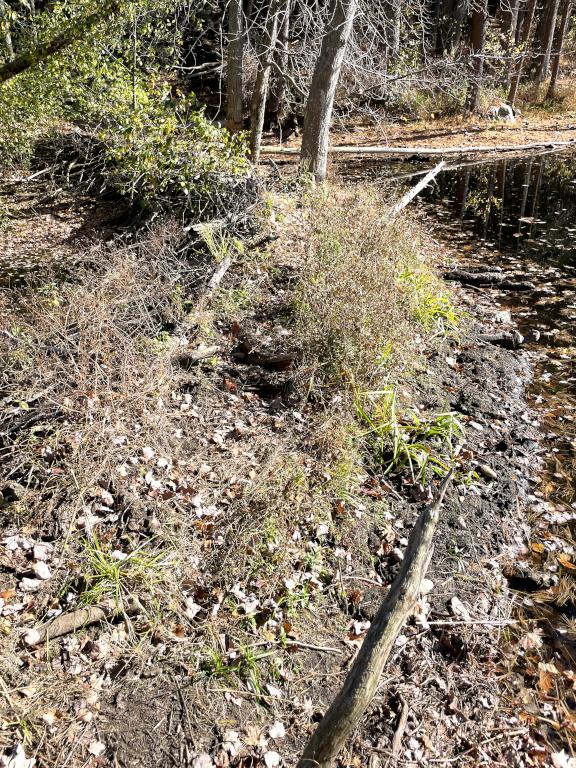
(411, 194)
(362, 680)
(500, 279)
(512, 340)
(70, 622)
(428, 151)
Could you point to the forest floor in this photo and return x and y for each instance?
(203, 488)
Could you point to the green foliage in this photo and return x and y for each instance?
(399, 440)
(149, 141)
(430, 305)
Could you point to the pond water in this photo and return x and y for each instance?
(520, 215)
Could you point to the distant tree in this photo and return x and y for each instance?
(235, 66)
(566, 10)
(265, 58)
(477, 41)
(320, 102)
(545, 39)
(523, 42)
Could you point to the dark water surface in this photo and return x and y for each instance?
(520, 215)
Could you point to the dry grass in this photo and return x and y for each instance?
(365, 297)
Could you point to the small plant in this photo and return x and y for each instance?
(431, 307)
(405, 440)
(110, 577)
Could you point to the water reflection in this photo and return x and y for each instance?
(521, 215)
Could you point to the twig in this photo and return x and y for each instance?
(503, 735)
(397, 740)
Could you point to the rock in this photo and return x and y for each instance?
(503, 316)
(12, 492)
(426, 586)
(41, 570)
(487, 471)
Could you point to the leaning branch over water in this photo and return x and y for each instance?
(362, 680)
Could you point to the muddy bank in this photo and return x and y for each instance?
(257, 564)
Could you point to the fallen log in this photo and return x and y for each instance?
(362, 680)
(427, 151)
(474, 278)
(512, 340)
(70, 622)
(416, 189)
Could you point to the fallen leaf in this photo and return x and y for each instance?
(277, 731)
(272, 759)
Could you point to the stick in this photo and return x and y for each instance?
(70, 622)
(397, 740)
(429, 151)
(411, 194)
(361, 682)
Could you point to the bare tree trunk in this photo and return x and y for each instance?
(260, 94)
(511, 29)
(235, 68)
(546, 40)
(278, 87)
(320, 102)
(457, 25)
(524, 38)
(5, 26)
(558, 44)
(362, 680)
(477, 40)
(392, 30)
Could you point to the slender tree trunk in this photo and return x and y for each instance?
(558, 44)
(5, 26)
(546, 41)
(511, 28)
(320, 102)
(260, 94)
(477, 40)
(278, 87)
(456, 26)
(235, 66)
(72, 32)
(392, 30)
(524, 38)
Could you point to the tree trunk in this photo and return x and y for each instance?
(542, 64)
(456, 26)
(267, 48)
(72, 32)
(510, 31)
(320, 102)
(5, 26)
(524, 38)
(477, 40)
(558, 44)
(235, 68)
(362, 680)
(392, 29)
(278, 87)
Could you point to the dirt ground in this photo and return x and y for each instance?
(282, 572)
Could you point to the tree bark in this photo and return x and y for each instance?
(542, 63)
(524, 38)
(235, 66)
(477, 40)
(558, 44)
(510, 31)
(392, 30)
(265, 57)
(320, 102)
(72, 32)
(278, 87)
(361, 682)
(5, 23)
